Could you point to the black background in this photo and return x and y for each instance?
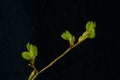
(41, 22)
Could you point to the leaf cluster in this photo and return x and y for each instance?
(32, 50)
(31, 53)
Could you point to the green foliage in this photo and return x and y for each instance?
(26, 55)
(90, 29)
(69, 37)
(31, 53)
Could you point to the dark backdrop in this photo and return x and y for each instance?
(41, 22)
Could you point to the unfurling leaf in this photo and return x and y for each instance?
(92, 34)
(69, 37)
(66, 35)
(90, 29)
(31, 53)
(27, 55)
(89, 33)
(90, 25)
(33, 50)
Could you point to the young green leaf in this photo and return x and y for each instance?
(92, 34)
(66, 35)
(69, 37)
(90, 28)
(32, 52)
(90, 25)
(27, 55)
(28, 46)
